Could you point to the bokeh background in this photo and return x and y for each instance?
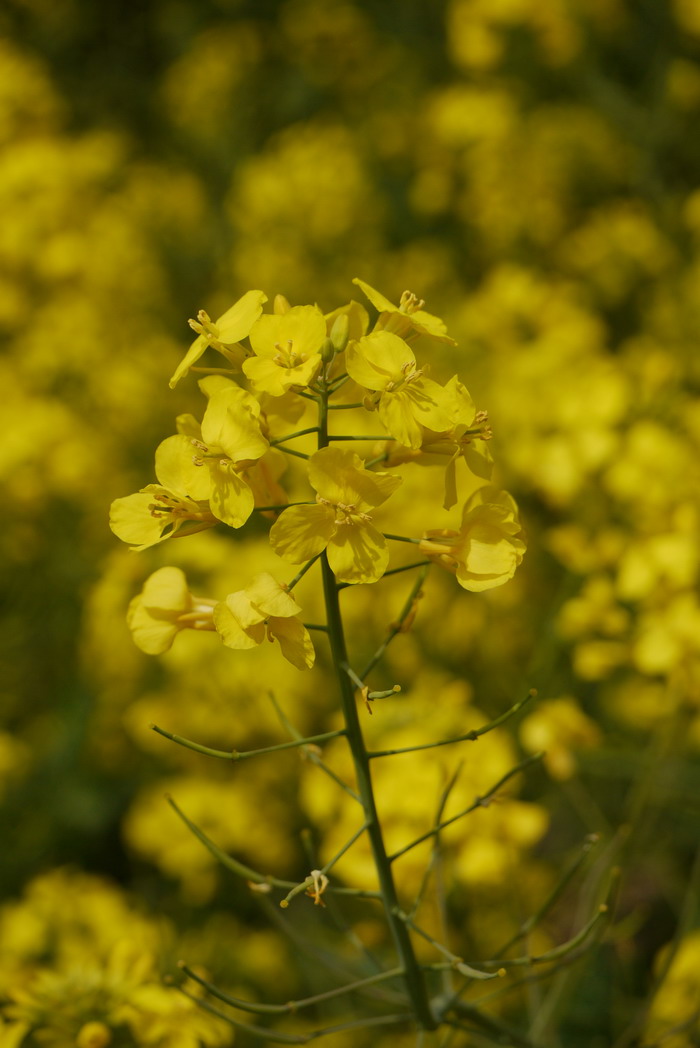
(532, 169)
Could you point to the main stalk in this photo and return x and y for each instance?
(415, 982)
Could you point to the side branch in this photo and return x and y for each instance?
(470, 736)
(480, 802)
(247, 872)
(291, 1006)
(239, 755)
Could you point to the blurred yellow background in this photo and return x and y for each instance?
(531, 168)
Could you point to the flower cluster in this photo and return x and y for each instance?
(223, 469)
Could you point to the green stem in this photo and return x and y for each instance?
(293, 436)
(480, 802)
(240, 755)
(470, 736)
(291, 1006)
(414, 978)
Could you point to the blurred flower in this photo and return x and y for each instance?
(163, 608)
(559, 727)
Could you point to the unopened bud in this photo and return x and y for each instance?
(280, 305)
(327, 351)
(339, 332)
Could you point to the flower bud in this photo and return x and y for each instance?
(340, 332)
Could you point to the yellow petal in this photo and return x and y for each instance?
(131, 520)
(176, 470)
(275, 379)
(231, 499)
(237, 321)
(152, 616)
(358, 553)
(232, 633)
(166, 590)
(378, 359)
(396, 412)
(189, 425)
(270, 597)
(228, 424)
(303, 326)
(430, 325)
(376, 298)
(339, 476)
(295, 641)
(191, 357)
(301, 532)
(245, 613)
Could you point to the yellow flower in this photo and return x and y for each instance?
(264, 609)
(405, 401)
(159, 511)
(163, 608)
(339, 521)
(559, 727)
(223, 334)
(408, 316)
(488, 547)
(466, 439)
(287, 349)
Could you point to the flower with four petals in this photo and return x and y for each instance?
(403, 397)
(223, 334)
(488, 546)
(339, 522)
(264, 609)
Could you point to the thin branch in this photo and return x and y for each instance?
(527, 926)
(247, 872)
(293, 436)
(504, 1034)
(480, 802)
(455, 962)
(239, 755)
(291, 1006)
(444, 796)
(556, 952)
(470, 736)
(400, 625)
(400, 538)
(308, 882)
(333, 436)
(291, 451)
(311, 754)
(300, 574)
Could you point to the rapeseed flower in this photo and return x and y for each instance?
(264, 609)
(488, 546)
(339, 522)
(466, 440)
(163, 608)
(407, 317)
(159, 511)
(223, 334)
(287, 349)
(404, 399)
